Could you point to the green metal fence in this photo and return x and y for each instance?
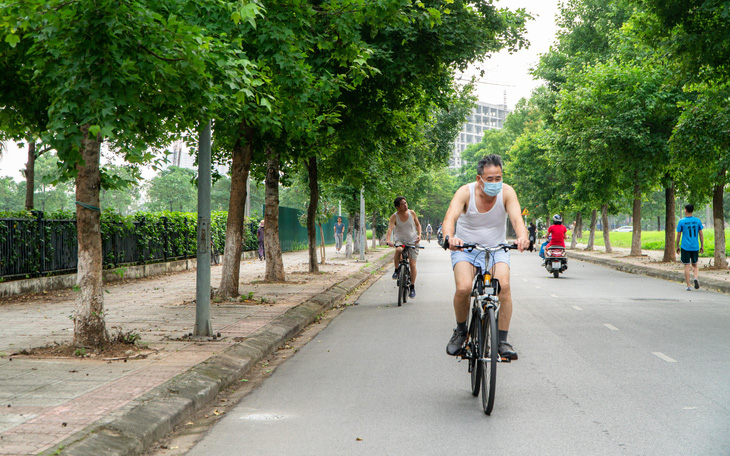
(293, 236)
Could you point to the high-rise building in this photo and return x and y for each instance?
(485, 116)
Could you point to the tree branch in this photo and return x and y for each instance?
(158, 57)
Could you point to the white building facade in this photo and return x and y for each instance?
(485, 116)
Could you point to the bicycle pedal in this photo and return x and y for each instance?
(504, 360)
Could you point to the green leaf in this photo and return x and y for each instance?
(94, 130)
(12, 39)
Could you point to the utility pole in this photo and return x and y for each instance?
(362, 224)
(203, 327)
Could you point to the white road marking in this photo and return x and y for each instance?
(664, 357)
(611, 327)
(577, 308)
(554, 296)
(536, 286)
(263, 417)
(689, 408)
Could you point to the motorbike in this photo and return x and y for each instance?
(555, 260)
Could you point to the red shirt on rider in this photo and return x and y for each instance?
(557, 232)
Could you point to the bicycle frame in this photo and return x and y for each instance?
(404, 271)
(482, 334)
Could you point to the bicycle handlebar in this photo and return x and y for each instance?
(413, 246)
(477, 246)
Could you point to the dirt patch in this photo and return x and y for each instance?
(123, 346)
(112, 352)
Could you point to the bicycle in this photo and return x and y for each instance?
(404, 272)
(481, 348)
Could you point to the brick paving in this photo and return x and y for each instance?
(45, 401)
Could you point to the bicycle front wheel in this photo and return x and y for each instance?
(489, 359)
(406, 283)
(474, 347)
(401, 285)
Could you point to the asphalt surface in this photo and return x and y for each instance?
(611, 363)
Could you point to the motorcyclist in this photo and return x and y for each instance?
(555, 235)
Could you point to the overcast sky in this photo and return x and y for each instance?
(511, 71)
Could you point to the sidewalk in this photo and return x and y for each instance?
(96, 406)
(650, 264)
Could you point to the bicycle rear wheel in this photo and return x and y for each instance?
(489, 358)
(475, 337)
(401, 284)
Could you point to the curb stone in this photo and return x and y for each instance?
(156, 413)
(674, 276)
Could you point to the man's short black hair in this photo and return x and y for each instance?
(689, 208)
(397, 201)
(489, 160)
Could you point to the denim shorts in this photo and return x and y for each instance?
(477, 258)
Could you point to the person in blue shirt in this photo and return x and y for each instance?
(690, 243)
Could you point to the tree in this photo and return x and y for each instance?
(52, 193)
(125, 197)
(138, 75)
(700, 143)
(10, 195)
(172, 190)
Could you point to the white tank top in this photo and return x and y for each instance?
(489, 228)
(405, 232)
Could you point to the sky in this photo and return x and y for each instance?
(504, 71)
(512, 70)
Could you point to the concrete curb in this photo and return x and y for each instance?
(156, 413)
(674, 276)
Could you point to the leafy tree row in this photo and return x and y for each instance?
(634, 101)
(348, 95)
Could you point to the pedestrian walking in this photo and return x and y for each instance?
(260, 236)
(339, 233)
(690, 243)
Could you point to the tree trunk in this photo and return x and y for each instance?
(355, 217)
(321, 246)
(30, 176)
(579, 225)
(89, 325)
(670, 224)
(375, 221)
(240, 167)
(272, 247)
(352, 223)
(719, 221)
(592, 234)
(574, 234)
(636, 213)
(312, 213)
(606, 235)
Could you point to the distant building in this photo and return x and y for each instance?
(485, 117)
(182, 158)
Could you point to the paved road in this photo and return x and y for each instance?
(610, 364)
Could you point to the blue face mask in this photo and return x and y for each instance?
(492, 188)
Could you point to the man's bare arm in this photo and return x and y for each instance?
(512, 206)
(418, 226)
(391, 224)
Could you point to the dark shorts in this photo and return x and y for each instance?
(688, 256)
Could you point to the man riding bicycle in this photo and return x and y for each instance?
(481, 209)
(429, 231)
(407, 230)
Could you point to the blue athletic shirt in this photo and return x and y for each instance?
(690, 228)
